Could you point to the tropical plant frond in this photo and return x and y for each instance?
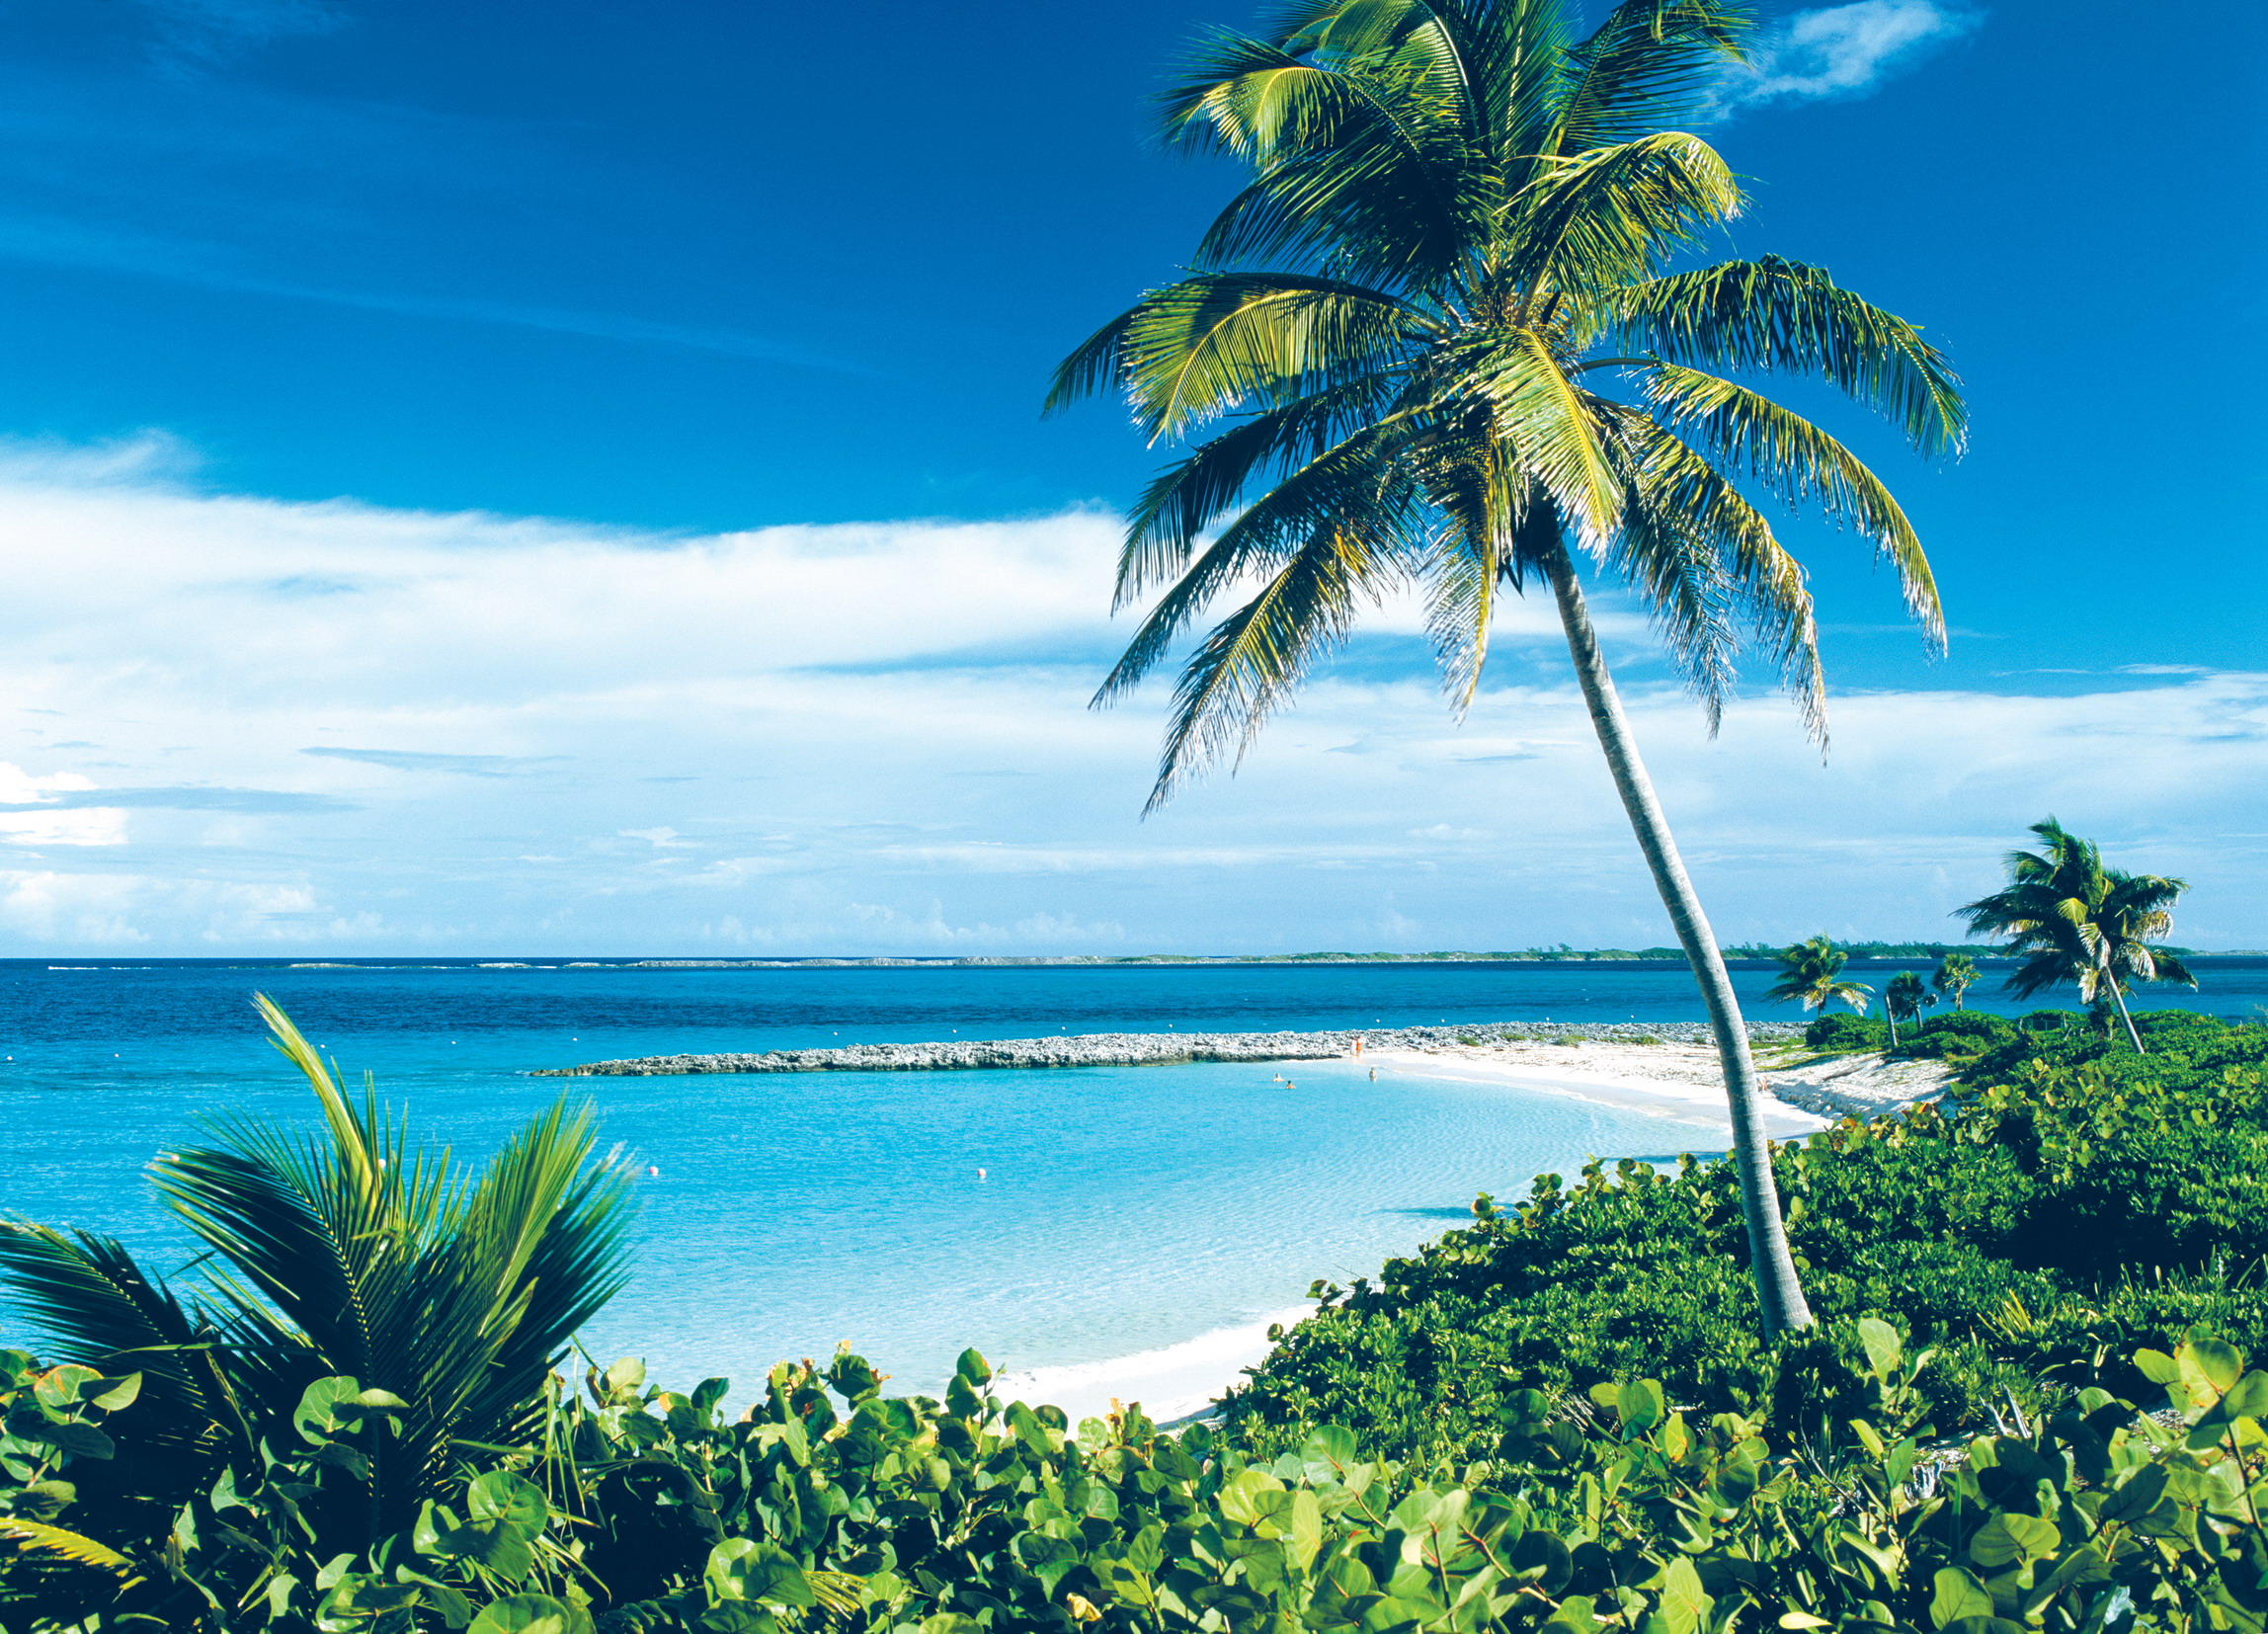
(1184, 499)
(1357, 159)
(1553, 429)
(92, 1303)
(1650, 63)
(1250, 664)
(1593, 222)
(1354, 477)
(1212, 342)
(62, 1544)
(1797, 461)
(1773, 314)
(1672, 488)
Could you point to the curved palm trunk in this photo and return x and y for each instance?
(1778, 1292)
(2118, 998)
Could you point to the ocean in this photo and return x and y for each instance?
(1132, 1229)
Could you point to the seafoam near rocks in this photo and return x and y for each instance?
(1135, 1049)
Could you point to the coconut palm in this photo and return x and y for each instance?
(2080, 922)
(353, 1253)
(1903, 999)
(1811, 975)
(1955, 975)
(1443, 324)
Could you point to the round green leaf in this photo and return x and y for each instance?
(529, 1614)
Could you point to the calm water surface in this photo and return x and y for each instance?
(1123, 1209)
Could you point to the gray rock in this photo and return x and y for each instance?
(1143, 1049)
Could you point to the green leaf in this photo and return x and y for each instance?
(973, 1368)
(2219, 1362)
(1883, 1346)
(2248, 1398)
(1958, 1595)
(2136, 1495)
(2158, 1368)
(81, 1440)
(1541, 1559)
(529, 1614)
(627, 1375)
(512, 1500)
(119, 1393)
(319, 1415)
(1638, 1404)
(1239, 1498)
(1685, 1605)
(2008, 1538)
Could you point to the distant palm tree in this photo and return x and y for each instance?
(1441, 321)
(353, 1253)
(1905, 999)
(1955, 975)
(1811, 975)
(2082, 922)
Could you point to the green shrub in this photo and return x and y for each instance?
(1840, 1030)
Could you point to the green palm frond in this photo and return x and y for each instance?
(1772, 315)
(62, 1544)
(1650, 63)
(1795, 460)
(2078, 923)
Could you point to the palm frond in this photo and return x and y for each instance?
(1776, 315)
(1650, 63)
(1592, 222)
(1797, 461)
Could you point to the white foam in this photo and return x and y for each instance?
(1171, 1382)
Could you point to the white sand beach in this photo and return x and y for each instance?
(1682, 1079)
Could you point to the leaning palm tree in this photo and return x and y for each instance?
(2080, 922)
(1955, 975)
(1903, 999)
(1442, 324)
(349, 1253)
(1812, 975)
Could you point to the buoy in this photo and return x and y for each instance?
(654, 1170)
(980, 1173)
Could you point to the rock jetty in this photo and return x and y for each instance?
(1147, 1049)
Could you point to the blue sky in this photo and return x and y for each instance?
(569, 477)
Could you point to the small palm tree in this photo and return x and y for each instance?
(1443, 325)
(2077, 922)
(1903, 999)
(1811, 975)
(1955, 975)
(349, 1253)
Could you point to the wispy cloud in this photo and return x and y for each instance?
(1840, 51)
(470, 765)
(542, 735)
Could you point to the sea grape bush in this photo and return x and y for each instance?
(638, 1508)
(2072, 1202)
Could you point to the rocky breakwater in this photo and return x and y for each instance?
(1141, 1049)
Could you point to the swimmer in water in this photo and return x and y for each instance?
(654, 1170)
(980, 1173)
(1374, 1074)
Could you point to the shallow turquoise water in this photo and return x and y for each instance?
(1124, 1209)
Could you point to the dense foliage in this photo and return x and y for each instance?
(2074, 1200)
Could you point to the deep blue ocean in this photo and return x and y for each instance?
(1122, 1210)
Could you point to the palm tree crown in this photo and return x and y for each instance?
(1811, 975)
(1441, 320)
(1955, 975)
(2080, 922)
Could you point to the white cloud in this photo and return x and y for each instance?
(334, 726)
(1846, 51)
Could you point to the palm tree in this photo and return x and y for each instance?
(350, 1254)
(1442, 323)
(1955, 975)
(2082, 922)
(1811, 975)
(1905, 998)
